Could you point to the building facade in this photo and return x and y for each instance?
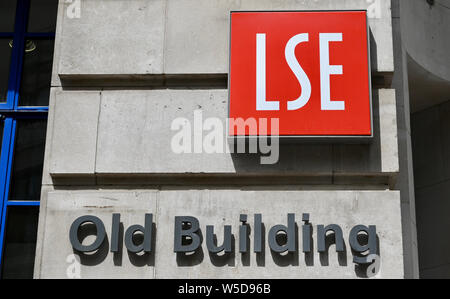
(122, 197)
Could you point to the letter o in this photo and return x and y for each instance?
(101, 234)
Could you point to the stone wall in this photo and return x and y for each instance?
(124, 70)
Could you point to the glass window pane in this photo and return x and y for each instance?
(7, 15)
(37, 73)
(42, 16)
(28, 160)
(20, 242)
(5, 57)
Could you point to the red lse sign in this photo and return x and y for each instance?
(309, 70)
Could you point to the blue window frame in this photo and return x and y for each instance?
(23, 124)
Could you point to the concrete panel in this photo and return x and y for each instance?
(63, 207)
(135, 138)
(444, 131)
(46, 178)
(191, 49)
(388, 130)
(41, 233)
(405, 179)
(381, 155)
(58, 38)
(123, 37)
(135, 131)
(429, 163)
(74, 129)
(219, 208)
(433, 208)
(425, 29)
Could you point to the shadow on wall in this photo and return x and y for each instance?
(430, 135)
(319, 158)
(99, 256)
(224, 259)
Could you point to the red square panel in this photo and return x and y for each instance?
(309, 70)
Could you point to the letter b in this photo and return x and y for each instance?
(181, 234)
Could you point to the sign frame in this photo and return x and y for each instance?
(357, 139)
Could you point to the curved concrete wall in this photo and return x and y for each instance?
(425, 32)
(425, 35)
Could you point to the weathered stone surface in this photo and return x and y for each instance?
(219, 208)
(135, 137)
(191, 49)
(73, 144)
(132, 38)
(112, 38)
(223, 207)
(62, 208)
